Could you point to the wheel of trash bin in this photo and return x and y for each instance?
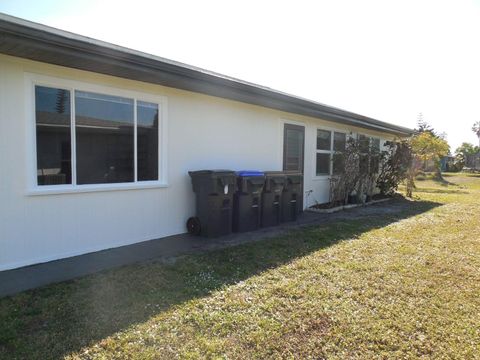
(193, 225)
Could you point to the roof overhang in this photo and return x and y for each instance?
(38, 42)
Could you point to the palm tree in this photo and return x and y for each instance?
(476, 130)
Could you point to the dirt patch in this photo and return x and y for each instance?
(304, 341)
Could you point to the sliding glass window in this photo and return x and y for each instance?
(116, 139)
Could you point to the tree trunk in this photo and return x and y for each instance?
(410, 180)
(410, 187)
(438, 170)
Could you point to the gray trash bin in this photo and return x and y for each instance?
(214, 191)
(272, 198)
(248, 200)
(292, 196)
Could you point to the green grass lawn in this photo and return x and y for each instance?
(403, 284)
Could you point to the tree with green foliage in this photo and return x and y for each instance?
(427, 146)
(476, 130)
(423, 126)
(463, 151)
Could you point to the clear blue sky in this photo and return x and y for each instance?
(386, 59)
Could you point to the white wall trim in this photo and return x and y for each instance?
(69, 189)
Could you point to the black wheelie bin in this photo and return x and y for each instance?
(248, 200)
(214, 191)
(272, 198)
(292, 196)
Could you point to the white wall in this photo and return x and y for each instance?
(203, 132)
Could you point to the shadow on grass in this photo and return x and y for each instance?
(56, 320)
(440, 191)
(433, 177)
(443, 182)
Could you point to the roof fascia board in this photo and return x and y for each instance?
(75, 51)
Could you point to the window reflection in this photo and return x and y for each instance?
(104, 127)
(52, 117)
(323, 139)
(104, 143)
(339, 141)
(147, 141)
(293, 150)
(364, 143)
(323, 164)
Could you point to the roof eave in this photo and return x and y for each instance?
(40, 43)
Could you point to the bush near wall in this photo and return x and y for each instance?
(364, 169)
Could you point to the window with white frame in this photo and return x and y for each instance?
(369, 153)
(85, 137)
(329, 143)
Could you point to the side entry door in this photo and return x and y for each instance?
(293, 147)
(293, 153)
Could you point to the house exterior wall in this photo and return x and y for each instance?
(200, 132)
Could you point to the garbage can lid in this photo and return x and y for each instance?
(274, 173)
(291, 174)
(245, 173)
(211, 172)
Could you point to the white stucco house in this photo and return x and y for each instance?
(97, 141)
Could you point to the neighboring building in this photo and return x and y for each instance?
(447, 163)
(96, 141)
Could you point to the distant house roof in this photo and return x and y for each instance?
(38, 42)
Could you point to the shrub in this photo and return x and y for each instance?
(364, 169)
(356, 171)
(396, 166)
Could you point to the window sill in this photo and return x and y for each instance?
(321, 177)
(74, 189)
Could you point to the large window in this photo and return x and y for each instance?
(86, 138)
(329, 145)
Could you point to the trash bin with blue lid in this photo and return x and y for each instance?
(292, 196)
(214, 190)
(247, 200)
(272, 198)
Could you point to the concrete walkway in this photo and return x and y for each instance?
(164, 249)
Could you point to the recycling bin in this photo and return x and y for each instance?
(248, 200)
(272, 198)
(214, 190)
(292, 196)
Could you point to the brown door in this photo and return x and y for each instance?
(293, 147)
